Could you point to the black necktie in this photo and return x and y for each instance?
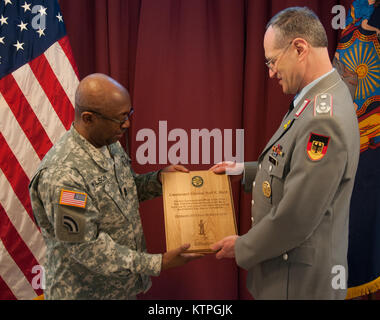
(291, 107)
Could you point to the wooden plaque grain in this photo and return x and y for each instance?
(198, 208)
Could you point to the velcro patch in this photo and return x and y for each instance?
(317, 146)
(69, 224)
(73, 198)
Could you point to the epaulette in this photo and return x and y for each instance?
(323, 104)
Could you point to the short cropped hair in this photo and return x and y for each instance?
(297, 22)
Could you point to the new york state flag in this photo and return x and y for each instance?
(358, 59)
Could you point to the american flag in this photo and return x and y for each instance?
(38, 78)
(72, 198)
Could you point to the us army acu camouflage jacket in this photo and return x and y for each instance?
(87, 208)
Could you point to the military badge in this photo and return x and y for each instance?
(323, 104)
(73, 198)
(69, 224)
(197, 181)
(267, 190)
(317, 146)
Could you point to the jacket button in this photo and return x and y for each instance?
(285, 256)
(252, 219)
(260, 166)
(253, 202)
(254, 183)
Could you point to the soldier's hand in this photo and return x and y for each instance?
(177, 257)
(173, 168)
(225, 248)
(230, 168)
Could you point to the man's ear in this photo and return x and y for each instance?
(302, 47)
(87, 117)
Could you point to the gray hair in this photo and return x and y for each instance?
(297, 22)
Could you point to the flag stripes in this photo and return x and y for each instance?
(20, 219)
(25, 116)
(14, 277)
(36, 109)
(14, 135)
(13, 242)
(65, 46)
(15, 175)
(6, 293)
(53, 89)
(39, 102)
(68, 80)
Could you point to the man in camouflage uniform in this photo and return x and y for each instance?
(85, 198)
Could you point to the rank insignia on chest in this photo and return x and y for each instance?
(286, 125)
(317, 146)
(73, 198)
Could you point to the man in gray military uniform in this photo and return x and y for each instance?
(302, 182)
(85, 197)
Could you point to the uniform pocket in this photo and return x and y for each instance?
(304, 255)
(278, 170)
(277, 179)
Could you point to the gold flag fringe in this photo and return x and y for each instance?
(362, 290)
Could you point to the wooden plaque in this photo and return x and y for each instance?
(198, 208)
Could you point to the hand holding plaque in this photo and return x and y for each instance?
(198, 209)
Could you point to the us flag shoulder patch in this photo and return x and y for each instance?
(73, 198)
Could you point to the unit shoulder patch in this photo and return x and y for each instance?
(323, 104)
(317, 146)
(69, 224)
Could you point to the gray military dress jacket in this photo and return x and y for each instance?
(301, 188)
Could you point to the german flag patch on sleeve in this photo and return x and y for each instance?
(317, 146)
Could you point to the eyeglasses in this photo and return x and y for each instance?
(271, 62)
(120, 122)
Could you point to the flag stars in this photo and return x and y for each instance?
(19, 45)
(3, 20)
(22, 26)
(40, 32)
(26, 6)
(2, 40)
(59, 17)
(7, 2)
(42, 11)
